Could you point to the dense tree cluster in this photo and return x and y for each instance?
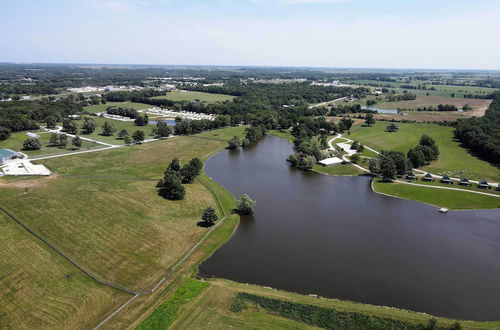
(124, 112)
(244, 205)
(32, 144)
(170, 186)
(141, 120)
(401, 97)
(482, 135)
(425, 152)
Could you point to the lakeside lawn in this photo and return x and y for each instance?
(213, 306)
(41, 289)
(15, 142)
(454, 160)
(195, 96)
(340, 170)
(451, 199)
(103, 107)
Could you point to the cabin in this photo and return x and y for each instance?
(464, 182)
(411, 176)
(483, 184)
(428, 177)
(446, 179)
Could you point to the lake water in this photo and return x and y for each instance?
(333, 236)
(170, 122)
(364, 107)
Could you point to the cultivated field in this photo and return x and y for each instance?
(103, 107)
(453, 160)
(479, 106)
(195, 96)
(41, 290)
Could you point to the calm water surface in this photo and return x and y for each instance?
(334, 237)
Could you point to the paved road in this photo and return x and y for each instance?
(330, 144)
(325, 103)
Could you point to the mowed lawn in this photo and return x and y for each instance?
(452, 199)
(15, 142)
(118, 125)
(103, 107)
(103, 209)
(453, 160)
(195, 96)
(41, 290)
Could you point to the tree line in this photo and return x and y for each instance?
(482, 135)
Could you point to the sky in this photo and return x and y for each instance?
(432, 34)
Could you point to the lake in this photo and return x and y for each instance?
(364, 107)
(335, 237)
(170, 122)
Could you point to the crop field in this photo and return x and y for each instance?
(103, 107)
(195, 96)
(454, 200)
(453, 160)
(15, 142)
(479, 106)
(41, 290)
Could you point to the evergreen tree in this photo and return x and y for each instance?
(209, 216)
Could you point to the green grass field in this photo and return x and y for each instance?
(454, 200)
(41, 290)
(103, 107)
(195, 96)
(426, 101)
(118, 124)
(454, 160)
(224, 134)
(340, 170)
(212, 309)
(15, 142)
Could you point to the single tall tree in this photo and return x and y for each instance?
(209, 216)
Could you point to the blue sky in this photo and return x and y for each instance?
(334, 33)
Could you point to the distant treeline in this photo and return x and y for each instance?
(24, 115)
(401, 97)
(124, 112)
(482, 135)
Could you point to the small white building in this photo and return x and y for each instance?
(330, 161)
(32, 135)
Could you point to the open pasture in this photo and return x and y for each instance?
(453, 160)
(103, 107)
(195, 96)
(41, 290)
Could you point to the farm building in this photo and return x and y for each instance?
(32, 135)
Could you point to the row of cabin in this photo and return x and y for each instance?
(447, 180)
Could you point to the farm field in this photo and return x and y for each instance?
(479, 106)
(454, 200)
(103, 107)
(115, 223)
(454, 160)
(195, 96)
(15, 142)
(42, 290)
